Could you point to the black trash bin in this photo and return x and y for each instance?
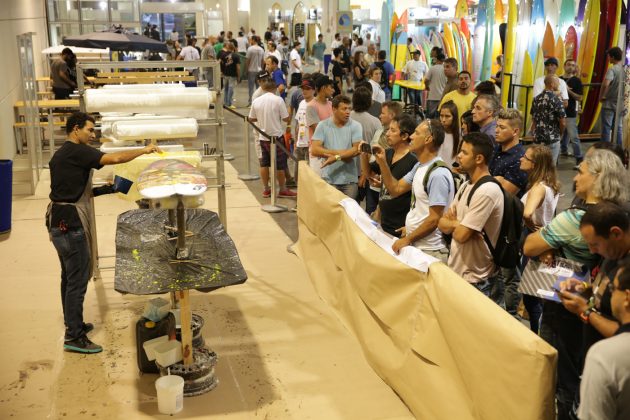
(6, 191)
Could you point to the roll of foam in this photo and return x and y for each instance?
(147, 86)
(155, 129)
(154, 101)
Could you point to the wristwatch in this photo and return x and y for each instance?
(337, 158)
(584, 316)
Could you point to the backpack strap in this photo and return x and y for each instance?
(437, 164)
(479, 183)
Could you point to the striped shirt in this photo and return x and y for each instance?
(563, 233)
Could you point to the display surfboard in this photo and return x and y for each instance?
(559, 53)
(488, 59)
(567, 15)
(463, 26)
(385, 29)
(448, 40)
(581, 11)
(524, 10)
(549, 42)
(609, 27)
(461, 9)
(588, 46)
(552, 12)
(570, 43)
(497, 46)
(536, 27)
(508, 54)
(479, 40)
(526, 79)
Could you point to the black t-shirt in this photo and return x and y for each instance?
(575, 84)
(229, 62)
(70, 170)
(394, 210)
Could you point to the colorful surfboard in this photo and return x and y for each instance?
(497, 47)
(510, 46)
(385, 29)
(588, 46)
(488, 59)
(479, 40)
(536, 27)
(549, 42)
(571, 42)
(527, 79)
(461, 9)
(559, 53)
(567, 15)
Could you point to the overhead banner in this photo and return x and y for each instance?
(344, 22)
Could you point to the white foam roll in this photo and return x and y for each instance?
(147, 86)
(101, 100)
(156, 129)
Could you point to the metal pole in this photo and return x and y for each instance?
(249, 176)
(273, 207)
(218, 109)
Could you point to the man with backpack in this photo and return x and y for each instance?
(432, 186)
(387, 73)
(479, 220)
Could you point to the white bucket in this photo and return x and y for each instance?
(170, 393)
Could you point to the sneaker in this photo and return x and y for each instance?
(232, 107)
(267, 193)
(576, 167)
(82, 345)
(87, 327)
(287, 193)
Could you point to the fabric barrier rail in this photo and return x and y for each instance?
(447, 350)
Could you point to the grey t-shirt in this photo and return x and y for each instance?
(615, 76)
(437, 81)
(56, 67)
(255, 56)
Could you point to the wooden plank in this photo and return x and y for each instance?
(143, 80)
(186, 327)
(41, 124)
(53, 103)
(142, 73)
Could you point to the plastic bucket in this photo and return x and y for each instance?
(170, 393)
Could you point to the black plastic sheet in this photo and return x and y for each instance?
(146, 260)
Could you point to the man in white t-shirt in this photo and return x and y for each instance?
(301, 128)
(269, 112)
(428, 203)
(295, 62)
(190, 53)
(336, 43)
(551, 67)
(253, 62)
(415, 71)
(471, 216)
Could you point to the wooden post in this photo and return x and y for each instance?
(186, 327)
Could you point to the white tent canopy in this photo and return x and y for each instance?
(77, 50)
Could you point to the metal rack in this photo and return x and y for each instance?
(218, 122)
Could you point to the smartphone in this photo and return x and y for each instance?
(365, 148)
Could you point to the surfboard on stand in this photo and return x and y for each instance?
(588, 47)
(479, 40)
(524, 11)
(536, 27)
(549, 42)
(463, 26)
(567, 16)
(559, 53)
(608, 32)
(552, 13)
(486, 68)
(385, 29)
(570, 43)
(497, 47)
(526, 79)
(461, 9)
(508, 54)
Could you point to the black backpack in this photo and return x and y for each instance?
(507, 251)
(384, 82)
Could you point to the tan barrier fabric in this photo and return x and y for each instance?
(447, 350)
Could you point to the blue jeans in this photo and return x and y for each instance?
(571, 136)
(228, 85)
(491, 287)
(252, 84)
(74, 256)
(351, 190)
(555, 151)
(415, 97)
(607, 121)
(511, 277)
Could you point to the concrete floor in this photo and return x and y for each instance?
(282, 352)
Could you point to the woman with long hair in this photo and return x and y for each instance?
(450, 121)
(359, 67)
(540, 201)
(543, 187)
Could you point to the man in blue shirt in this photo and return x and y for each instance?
(505, 166)
(388, 73)
(337, 140)
(271, 65)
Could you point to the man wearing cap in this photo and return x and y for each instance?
(301, 128)
(61, 83)
(415, 71)
(295, 61)
(551, 67)
(269, 112)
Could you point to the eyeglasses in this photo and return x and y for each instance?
(430, 126)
